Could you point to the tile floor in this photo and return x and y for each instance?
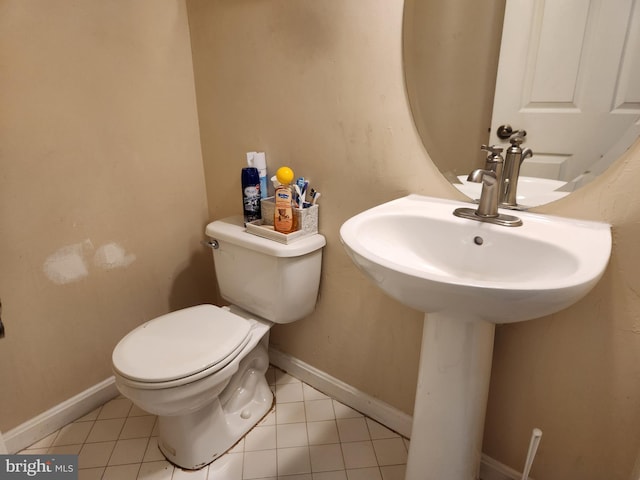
(308, 436)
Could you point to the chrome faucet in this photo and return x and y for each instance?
(488, 206)
(491, 178)
(494, 162)
(511, 170)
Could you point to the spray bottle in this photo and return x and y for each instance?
(259, 161)
(250, 194)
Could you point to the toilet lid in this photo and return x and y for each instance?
(180, 344)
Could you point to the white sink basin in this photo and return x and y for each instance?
(467, 276)
(418, 252)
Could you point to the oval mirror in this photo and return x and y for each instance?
(472, 66)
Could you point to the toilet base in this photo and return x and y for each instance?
(194, 440)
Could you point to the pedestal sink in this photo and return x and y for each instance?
(467, 276)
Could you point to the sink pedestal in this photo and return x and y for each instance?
(451, 398)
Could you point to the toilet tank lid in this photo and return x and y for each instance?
(232, 230)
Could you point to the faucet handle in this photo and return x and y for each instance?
(492, 149)
(494, 156)
(517, 139)
(494, 161)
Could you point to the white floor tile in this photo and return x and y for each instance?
(318, 410)
(179, 474)
(34, 451)
(293, 461)
(270, 375)
(95, 454)
(337, 475)
(321, 433)
(104, 430)
(238, 447)
(393, 472)
(128, 451)
(289, 392)
(136, 411)
(359, 455)
(371, 473)
(227, 467)
(311, 393)
(269, 418)
(91, 473)
(353, 429)
(138, 427)
(326, 458)
(342, 411)
(407, 442)
(283, 377)
(152, 453)
(390, 451)
(73, 434)
(292, 435)
(260, 438)
(378, 431)
(45, 442)
(117, 408)
(156, 471)
(93, 415)
(65, 449)
(290, 413)
(121, 472)
(260, 464)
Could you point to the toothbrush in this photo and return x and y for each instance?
(315, 195)
(303, 184)
(299, 200)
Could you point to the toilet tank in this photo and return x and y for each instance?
(275, 281)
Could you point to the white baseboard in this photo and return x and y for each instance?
(391, 417)
(55, 418)
(380, 411)
(3, 445)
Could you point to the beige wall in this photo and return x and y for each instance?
(99, 146)
(102, 199)
(319, 86)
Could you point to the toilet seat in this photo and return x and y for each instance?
(180, 347)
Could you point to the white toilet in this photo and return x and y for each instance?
(202, 369)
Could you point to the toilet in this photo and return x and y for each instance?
(201, 369)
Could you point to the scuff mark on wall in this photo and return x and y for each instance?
(68, 264)
(111, 256)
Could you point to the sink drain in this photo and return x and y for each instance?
(478, 240)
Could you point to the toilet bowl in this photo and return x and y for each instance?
(202, 369)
